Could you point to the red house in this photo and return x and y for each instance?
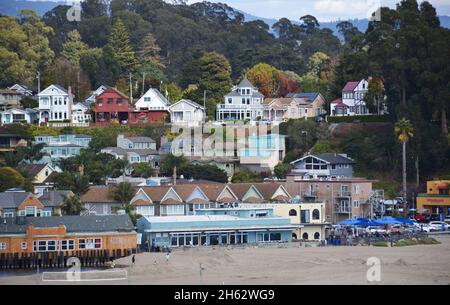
(112, 105)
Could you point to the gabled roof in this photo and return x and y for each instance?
(12, 199)
(156, 193)
(43, 92)
(98, 194)
(33, 169)
(54, 198)
(350, 86)
(330, 158)
(73, 224)
(141, 139)
(245, 83)
(113, 90)
(192, 103)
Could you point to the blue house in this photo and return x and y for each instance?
(263, 152)
(210, 227)
(62, 146)
(324, 166)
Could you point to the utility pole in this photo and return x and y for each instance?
(143, 83)
(204, 99)
(38, 76)
(131, 91)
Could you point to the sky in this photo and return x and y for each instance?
(323, 10)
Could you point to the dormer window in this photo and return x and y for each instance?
(248, 91)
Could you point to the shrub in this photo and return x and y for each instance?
(358, 118)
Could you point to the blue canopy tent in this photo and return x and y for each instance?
(388, 220)
(362, 222)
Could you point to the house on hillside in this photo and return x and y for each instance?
(154, 105)
(187, 113)
(81, 114)
(112, 106)
(352, 100)
(135, 150)
(244, 102)
(294, 106)
(91, 99)
(62, 146)
(15, 115)
(324, 166)
(22, 89)
(55, 104)
(10, 99)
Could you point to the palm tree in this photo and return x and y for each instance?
(404, 131)
(123, 193)
(72, 205)
(173, 162)
(32, 152)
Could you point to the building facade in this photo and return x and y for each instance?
(244, 102)
(55, 104)
(324, 166)
(294, 106)
(263, 152)
(81, 115)
(352, 101)
(11, 116)
(62, 146)
(187, 113)
(67, 233)
(437, 198)
(154, 104)
(343, 198)
(10, 99)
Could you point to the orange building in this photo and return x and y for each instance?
(68, 233)
(437, 198)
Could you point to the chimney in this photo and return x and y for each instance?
(69, 114)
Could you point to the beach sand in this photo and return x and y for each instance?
(423, 264)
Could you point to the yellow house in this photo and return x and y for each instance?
(311, 216)
(39, 172)
(437, 198)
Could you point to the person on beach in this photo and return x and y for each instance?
(167, 256)
(133, 259)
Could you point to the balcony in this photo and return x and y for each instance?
(237, 106)
(342, 210)
(310, 194)
(344, 194)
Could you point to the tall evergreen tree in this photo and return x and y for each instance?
(123, 52)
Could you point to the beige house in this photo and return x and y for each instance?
(343, 198)
(187, 113)
(310, 217)
(283, 109)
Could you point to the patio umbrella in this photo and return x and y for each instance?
(348, 222)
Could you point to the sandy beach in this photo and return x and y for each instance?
(423, 264)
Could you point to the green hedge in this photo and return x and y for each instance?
(358, 119)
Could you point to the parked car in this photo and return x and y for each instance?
(447, 219)
(396, 229)
(438, 225)
(420, 218)
(377, 230)
(422, 227)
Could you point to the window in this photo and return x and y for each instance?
(316, 214)
(100, 102)
(46, 213)
(317, 235)
(8, 214)
(110, 101)
(44, 245)
(243, 101)
(356, 204)
(356, 188)
(305, 236)
(230, 101)
(67, 245)
(172, 209)
(30, 211)
(119, 102)
(146, 99)
(304, 216)
(89, 243)
(292, 212)
(2, 246)
(23, 245)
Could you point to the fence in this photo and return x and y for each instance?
(57, 259)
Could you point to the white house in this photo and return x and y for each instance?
(29, 116)
(135, 150)
(55, 104)
(80, 114)
(243, 102)
(352, 101)
(153, 100)
(22, 89)
(187, 112)
(100, 90)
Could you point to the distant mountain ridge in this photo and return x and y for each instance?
(13, 8)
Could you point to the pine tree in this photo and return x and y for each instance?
(123, 52)
(74, 48)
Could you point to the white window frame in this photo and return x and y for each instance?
(24, 245)
(89, 243)
(3, 246)
(67, 244)
(356, 204)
